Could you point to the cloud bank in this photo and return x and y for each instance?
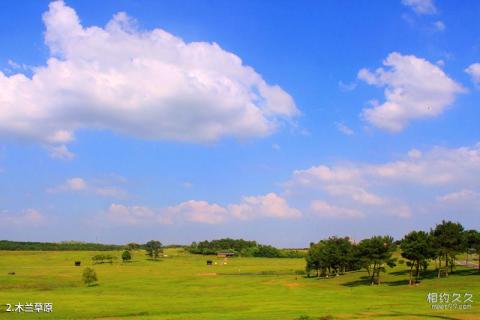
(400, 188)
(270, 206)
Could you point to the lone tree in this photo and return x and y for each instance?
(89, 276)
(126, 256)
(417, 248)
(448, 239)
(374, 254)
(153, 248)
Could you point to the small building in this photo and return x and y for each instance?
(225, 254)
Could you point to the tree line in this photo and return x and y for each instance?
(241, 247)
(442, 245)
(57, 246)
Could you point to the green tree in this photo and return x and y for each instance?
(376, 253)
(472, 241)
(126, 256)
(89, 276)
(133, 246)
(153, 248)
(417, 248)
(316, 259)
(267, 251)
(448, 240)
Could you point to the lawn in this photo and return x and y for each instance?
(182, 286)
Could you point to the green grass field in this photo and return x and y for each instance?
(182, 286)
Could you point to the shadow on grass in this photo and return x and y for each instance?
(419, 315)
(400, 273)
(429, 274)
(364, 280)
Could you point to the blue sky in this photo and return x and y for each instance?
(283, 122)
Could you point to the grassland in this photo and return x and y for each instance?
(182, 286)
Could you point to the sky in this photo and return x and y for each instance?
(283, 122)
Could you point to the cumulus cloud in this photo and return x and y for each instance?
(270, 205)
(414, 89)
(198, 211)
(149, 84)
(421, 6)
(97, 187)
(393, 188)
(28, 217)
(474, 71)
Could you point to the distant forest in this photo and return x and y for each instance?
(57, 246)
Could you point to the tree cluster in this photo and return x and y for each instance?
(103, 258)
(243, 248)
(442, 244)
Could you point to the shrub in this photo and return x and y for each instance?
(126, 256)
(89, 276)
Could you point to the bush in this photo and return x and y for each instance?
(89, 276)
(126, 256)
(103, 258)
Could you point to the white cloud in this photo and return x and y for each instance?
(395, 188)
(415, 89)
(460, 196)
(474, 71)
(421, 6)
(60, 152)
(131, 215)
(192, 210)
(149, 84)
(438, 166)
(26, 218)
(72, 184)
(344, 129)
(357, 194)
(78, 184)
(324, 209)
(345, 87)
(439, 25)
(270, 205)
(198, 211)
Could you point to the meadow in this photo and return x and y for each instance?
(182, 286)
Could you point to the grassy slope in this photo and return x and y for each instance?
(183, 287)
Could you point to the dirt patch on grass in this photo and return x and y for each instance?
(207, 274)
(293, 284)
